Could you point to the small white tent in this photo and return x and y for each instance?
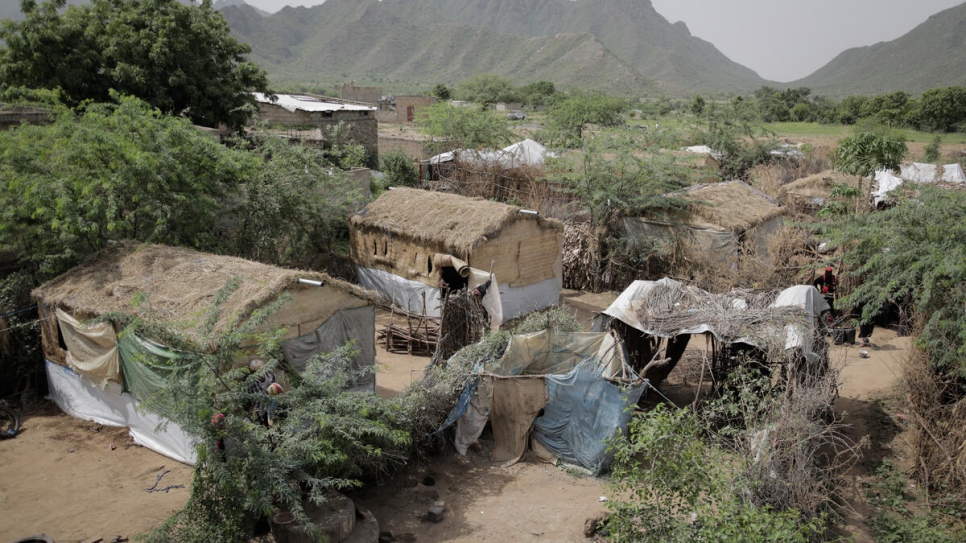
(522, 153)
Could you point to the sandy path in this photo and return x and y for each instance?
(60, 477)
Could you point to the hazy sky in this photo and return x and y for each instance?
(782, 40)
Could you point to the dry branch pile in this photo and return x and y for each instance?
(418, 335)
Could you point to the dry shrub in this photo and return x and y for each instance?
(791, 453)
(522, 186)
(790, 261)
(938, 411)
(771, 177)
(594, 261)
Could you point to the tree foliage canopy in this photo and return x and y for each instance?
(914, 251)
(180, 59)
(125, 171)
(868, 151)
(487, 89)
(464, 127)
(568, 116)
(110, 172)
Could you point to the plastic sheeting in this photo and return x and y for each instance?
(356, 323)
(526, 152)
(583, 413)
(421, 298)
(513, 407)
(885, 182)
(629, 301)
(78, 397)
(929, 173)
(91, 348)
(545, 352)
(145, 365)
(512, 390)
(475, 415)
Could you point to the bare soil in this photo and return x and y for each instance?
(61, 476)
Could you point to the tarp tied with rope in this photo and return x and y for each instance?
(579, 381)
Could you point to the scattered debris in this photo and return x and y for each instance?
(165, 489)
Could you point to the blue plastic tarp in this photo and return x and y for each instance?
(583, 413)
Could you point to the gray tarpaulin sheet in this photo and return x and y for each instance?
(583, 413)
(359, 324)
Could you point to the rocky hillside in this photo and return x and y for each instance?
(931, 55)
(622, 46)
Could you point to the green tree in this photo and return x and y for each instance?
(943, 109)
(180, 59)
(697, 105)
(868, 151)
(568, 116)
(914, 251)
(442, 92)
(463, 127)
(487, 89)
(850, 109)
(541, 93)
(111, 172)
(398, 169)
(931, 152)
(294, 206)
(321, 439)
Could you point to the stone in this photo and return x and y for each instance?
(434, 514)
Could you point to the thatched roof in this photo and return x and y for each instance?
(457, 222)
(172, 284)
(734, 205)
(819, 184)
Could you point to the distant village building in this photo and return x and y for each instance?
(407, 107)
(303, 111)
(13, 116)
(366, 95)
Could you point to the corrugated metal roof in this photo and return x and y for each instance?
(294, 102)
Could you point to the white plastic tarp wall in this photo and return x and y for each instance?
(502, 303)
(919, 172)
(526, 152)
(79, 397)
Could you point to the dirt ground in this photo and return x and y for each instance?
(61, 476)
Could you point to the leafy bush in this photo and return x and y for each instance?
(319, 439)
(672, 485)
(399, 170)
(895, 521)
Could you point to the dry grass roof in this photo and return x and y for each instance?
(818, 185)
(177, 285)
(457, 222)
(734, 205)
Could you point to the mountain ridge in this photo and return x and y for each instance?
(624, 36)
(930, 55)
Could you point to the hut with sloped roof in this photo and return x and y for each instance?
(404, 243)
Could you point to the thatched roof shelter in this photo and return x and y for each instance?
(175, 285)
(733, 205)
(457, 222)
(397, 240)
